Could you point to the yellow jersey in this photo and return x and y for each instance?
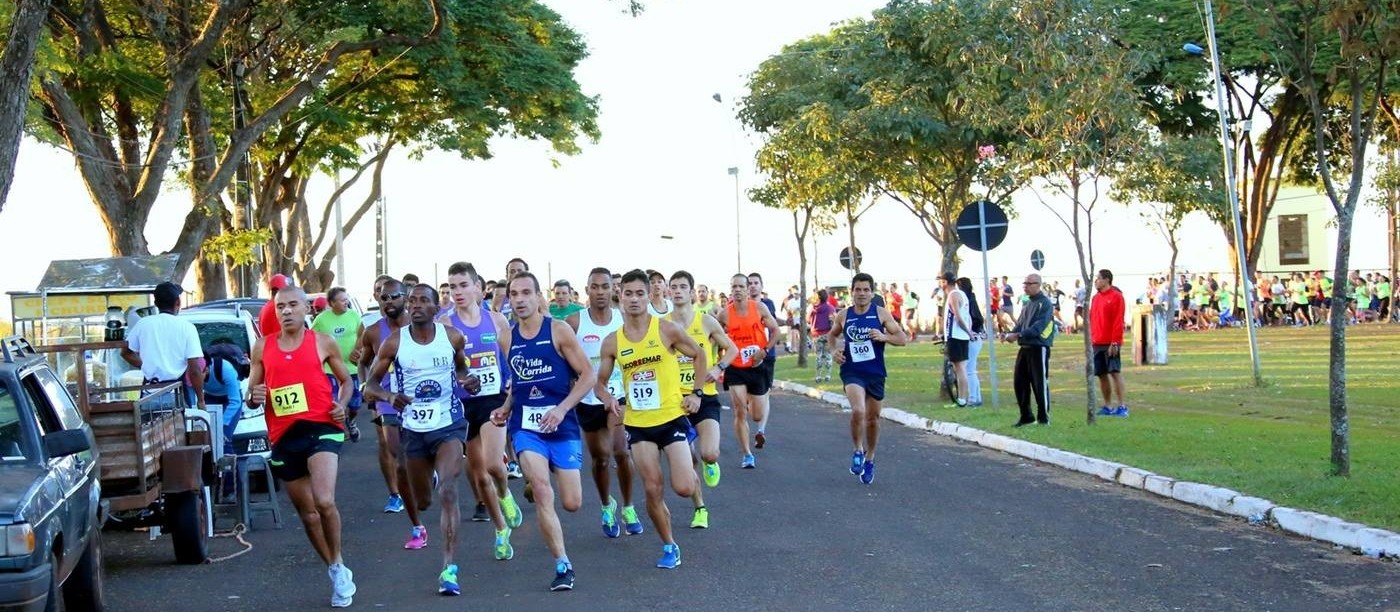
(652, 377)
(696, 330)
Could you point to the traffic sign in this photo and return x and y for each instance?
(982, 225)
(1037, 260)
(846, 259)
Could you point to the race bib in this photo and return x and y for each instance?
(862, 351)
(426, 417)
(748, 352)
(645, 395)
(484, 367)
(532, 417)
(688, 378)
(615, 387)
(289, 400)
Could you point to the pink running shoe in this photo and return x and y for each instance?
(418, 539)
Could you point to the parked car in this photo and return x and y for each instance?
(51, 512)
(232, 322)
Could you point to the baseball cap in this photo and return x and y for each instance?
(320, 302)
(279, 281)
(167, 292)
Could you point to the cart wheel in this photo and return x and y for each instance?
(184, 519)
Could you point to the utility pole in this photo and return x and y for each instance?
(381, 256)
(243, 189)
(339, 237)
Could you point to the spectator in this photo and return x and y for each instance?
(166, 347)
(974, 347)
(792, 313)
(957, 322)
(1035, 333)
(1106, 313)
(222, 385)
(911, 312)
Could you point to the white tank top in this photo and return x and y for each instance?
(591, 336)
(425, 372)
(950, 325)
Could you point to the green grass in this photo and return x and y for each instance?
(1201, 419)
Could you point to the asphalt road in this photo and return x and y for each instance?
(945, 526)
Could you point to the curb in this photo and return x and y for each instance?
(1370, 541)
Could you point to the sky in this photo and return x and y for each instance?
(660, 169)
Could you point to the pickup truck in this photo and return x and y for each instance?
(51, 512)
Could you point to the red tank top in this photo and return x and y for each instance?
(297, 387)
(747, 331)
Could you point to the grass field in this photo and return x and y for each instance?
(1200, 418)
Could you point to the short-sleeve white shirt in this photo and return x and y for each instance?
(165, 343)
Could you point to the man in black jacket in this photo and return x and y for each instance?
(1035, 332)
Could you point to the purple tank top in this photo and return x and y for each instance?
(384, 331)
(483, 353)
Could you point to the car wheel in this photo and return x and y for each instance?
(184, 518)
(54, 602)
(84, 589)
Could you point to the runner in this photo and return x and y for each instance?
(390, 296)
(486, 346)
(770, 362)
(427, 361)
(753, 330)
(515, 266)
(646, 348)
(709, 336)
(602, 432)
(659, 303)
(305, 427)
(342, 325)
(859, 336)
(551, 375)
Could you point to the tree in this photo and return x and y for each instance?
(1338, 52)
(16, 66)
(1076, 118)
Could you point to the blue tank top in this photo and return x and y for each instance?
(484, 357)
(542, 379)
(386, 382)
(864, 357)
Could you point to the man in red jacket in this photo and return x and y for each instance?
(1106, 334)
(268, 323)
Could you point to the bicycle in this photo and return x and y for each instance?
(948, 389)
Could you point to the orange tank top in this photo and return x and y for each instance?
(747, 331)
(297, 387)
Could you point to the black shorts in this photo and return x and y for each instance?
(424, 444)
(296, 446)
(478, 412)
(874, 385)
(709, 409)
(1105, 364)
(754, 379)
(770, 368)
(663, 435)
(389, 420)
(957, 350)
(592, 417)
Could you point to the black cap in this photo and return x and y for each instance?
(167, 293)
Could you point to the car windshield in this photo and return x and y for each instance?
(11, 434)
(234, 331)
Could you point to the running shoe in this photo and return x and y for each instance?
(394, 505)
(504, 551)
(1104, 411)
(758, 440)
(629, 518)
(702, 519)
(563, 577)
(353, 429)
(747, 463)
(670, 557)
(447, 581)
(867, 472)
(342, 585)
(511, 510)
(857, 460)
(480, 515)
(711, 474)
(610, 527)
(513, 470)
(417, 539)
(1121, 411)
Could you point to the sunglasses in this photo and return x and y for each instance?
(384, 297)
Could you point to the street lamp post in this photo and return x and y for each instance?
(734, 172)
(1243, 266)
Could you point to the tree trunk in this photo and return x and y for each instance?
(851, 228)
(949, 260)
(209, 277)
(1171, 285)
(16, 68)
(799, 229)
(1337, 358)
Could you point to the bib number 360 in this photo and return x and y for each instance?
(862, 351)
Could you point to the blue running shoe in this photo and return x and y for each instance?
(1104, 411)
(670, 557)
(857, 460)
(394, 505)
(563, 577)
(867, 472)
(747, 463)
(1121, 411)
(447, 581)
(610, 526)
(629, 518)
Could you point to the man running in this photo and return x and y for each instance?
(659, 302)
(486, 342)
(390, 296)
(602, 432)
(754, 331)
(343, 325)
(427, 360)
(305, 426)
(709, 335)
(551, 375)
(859, 335)
(646, 348)
(770, 362)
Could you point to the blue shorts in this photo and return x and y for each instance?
(355, 398)
(874, 385)
(562, 453)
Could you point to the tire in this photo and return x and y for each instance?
(184, 519)
(54, 602)
(84, 589)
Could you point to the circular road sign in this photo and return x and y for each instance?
(1037, 260)
(846, 259)
(979, 218)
